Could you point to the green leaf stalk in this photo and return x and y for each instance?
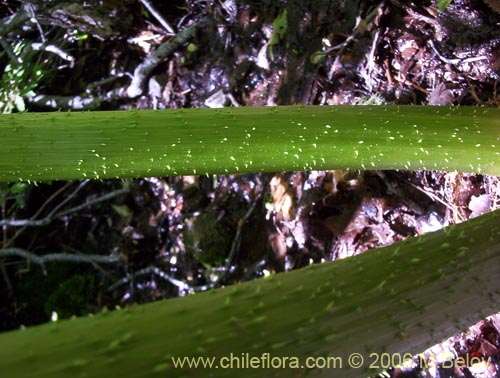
(396, 299)
(99, 145)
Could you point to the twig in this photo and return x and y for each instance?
(235, 246)
(139, 78)
(409, 83)
(67, 102)
(454, 61)
(105, 81)
(10, 23)
(80, 102)
(93, 263)
(55, 194)
(371, 61)
(68, 198)
(144, 70)
(102, 198)
(39, 211)
(233, 100)
(494, 102)
(53, 257)
(53, 49)
(3, 270)
(158, 16)
(51, 217)
(30, 11)
(435, 198)
(160, 273)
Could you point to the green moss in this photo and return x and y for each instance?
(65, 289)
(208, 239)
(72, 297)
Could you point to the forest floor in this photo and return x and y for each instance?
(176, 235)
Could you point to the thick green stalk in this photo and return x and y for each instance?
(46, 146)
(398, 299)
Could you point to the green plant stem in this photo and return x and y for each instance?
(47, 146)
(401, 298)
(397, 299)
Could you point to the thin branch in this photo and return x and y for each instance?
(141, 73)
(67, 102)
(436, 198)
(58, 257)
(144, 70)
(235, 246)
(67, 199)
(183, 286)
(30, 11)
(3, 270)
(80, 102)
(55, 195)
(10, 23)
(53, 49)
(51, 217)
(102, 198)
(39, 211)
(454, 61)
(106, 81)
(158, 16)
(93, 263)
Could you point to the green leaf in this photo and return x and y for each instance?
(401, 298)
(79, 145)
(280, 25)
(21, 201)
(383, 301)
(443, 4)
(317, 57)
(19, 47)
(18, 187)
(124, 212)
(7, 109)
(192, 48)
(19, 103)
(19, 72)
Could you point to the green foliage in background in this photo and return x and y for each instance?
(19, 79)
(208, 239)
(14, 191)
(71, 297)
(62, 289)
